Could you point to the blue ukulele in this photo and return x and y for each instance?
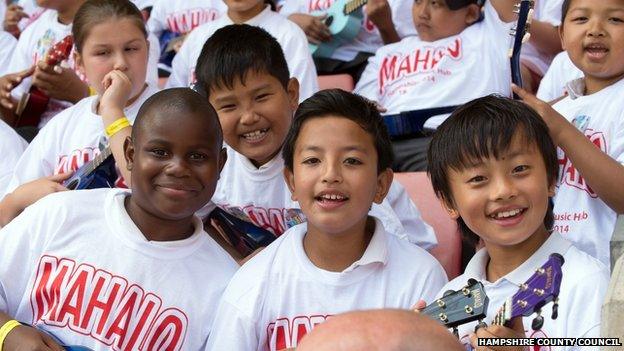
(521, 35)
(344, 21)
(97, 173)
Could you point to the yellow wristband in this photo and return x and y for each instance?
(92, 91)
(6, 329)
(115, 127)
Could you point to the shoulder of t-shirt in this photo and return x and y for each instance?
(64, 118)
(74, 202)
(580, 267)
(402, 249)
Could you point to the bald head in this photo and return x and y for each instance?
(178, 103)
(377, 330)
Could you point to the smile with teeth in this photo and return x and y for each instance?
(507, 214)
(331, 197)
(255, 135)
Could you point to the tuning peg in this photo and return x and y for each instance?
(516, 9)
(526, 38)
(555, 309)
(538, 322)
(456, 332)
(448, 292)
(472, 281)
(480, 325)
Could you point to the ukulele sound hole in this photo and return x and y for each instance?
(329, 20)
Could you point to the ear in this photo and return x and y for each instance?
(561, 37)
(289, 177)
(79, 63)
(222, 160)
(293, 93)
(450, 208)
(128, 148)
(473, 13)
(384, 181)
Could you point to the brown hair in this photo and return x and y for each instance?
(94, 12)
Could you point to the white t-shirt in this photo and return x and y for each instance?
(34, 43)
(288, 35)
(280, 295)
(583, 287)
(413, 74)
(11, 148)
(69, 141)
(545, 11)
(90, 277)
(368, 39)
(561, 71)
(260, 196)
(580, 215)
(182, 16)
(7, 46)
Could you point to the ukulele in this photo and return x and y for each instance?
(34, 103)
(521, 35)
(243, 235)
(97, 173)
(343, 21)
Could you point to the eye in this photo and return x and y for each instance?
(311, 161)
(132, 48)
(352, 161)
(159, 153)
(101, 53)
(198, 156)
(477, 179)
(579, 19)
(228, 107)
(616, 19)
(521, 169)
(263, 97)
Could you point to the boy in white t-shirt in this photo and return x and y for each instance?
(455, 58)
(495, 167)
(255, 98)
(337, 156)
(255, 13)
(588, 126)
(104, 268)
(384, 22)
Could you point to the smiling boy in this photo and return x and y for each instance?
(337, 156)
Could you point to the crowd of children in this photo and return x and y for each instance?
(237, 126)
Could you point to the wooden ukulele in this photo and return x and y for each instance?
(33, 104)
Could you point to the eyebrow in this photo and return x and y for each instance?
(229, 97)
(346, 148)
(126, 43)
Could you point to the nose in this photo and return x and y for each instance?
(332, 173)
(421, 9)
(503, 189)
(596, 29)
(121, 62)
(249, 116)
(177, 167)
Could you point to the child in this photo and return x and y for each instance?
(255, 13)
(384, 22)
(178, 18)
(588, 126)
(456, 57)
(337, 156)
(64, 83)
(104, 268)
(255, 99)
(11, 148)
(495, 167)
(112, 52)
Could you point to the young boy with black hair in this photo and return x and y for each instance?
(588, 125)
(459, 54)
(495, 167)
(337, 156)
(105, 268)
(255, 99)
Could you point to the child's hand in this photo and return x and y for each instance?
(419, 306)
(313, 26)
(498, 331)
(28, 338)
(379, 12)
(9, 82)
(14, 14)
(28, 193)
(59, 83)
(117, 90)
(554, 120)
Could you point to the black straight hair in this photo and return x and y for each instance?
(337, 102)
(481, 129)
(235, 50)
